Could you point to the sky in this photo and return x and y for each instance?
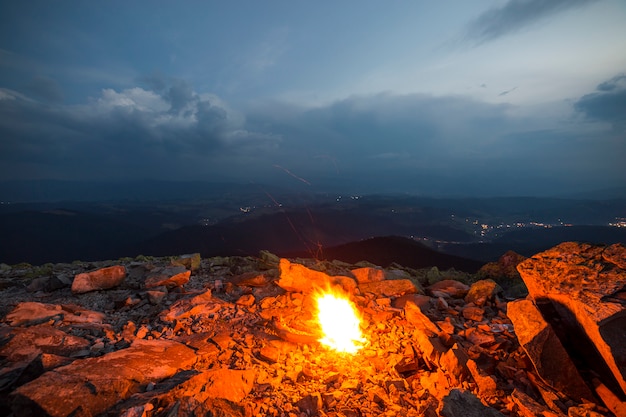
(488, 97)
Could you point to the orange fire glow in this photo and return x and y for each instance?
(339, 322)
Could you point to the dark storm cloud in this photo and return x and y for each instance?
(413, 142)
(179, 95)
(515, 15)
(608, 103)
(387, 137)
(130, 132)
(45, 88)
(430, 143)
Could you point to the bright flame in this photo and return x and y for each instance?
(340, 323)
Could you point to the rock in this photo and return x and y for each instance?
(100, 279)
(473, 313)
(482, 291)
(250, 279)
(189, 261)
(269, 259)
(47, 284)
(505, 267)
(389, 288)
(90, 386)
(612, 401)
(203, 304)
(299, 278)
(454, 361)
(424, 302)
(528, 407)
(30, 313)
(582, 412)
(245, 300)
(368, 274)
(169, 277)
(545, 350)
(229, 384)
(487, 384)
(155, 297)
(415, 316)
(585, 284)
(310, 404)
(17, 373)
(459, 403)
(452, 288)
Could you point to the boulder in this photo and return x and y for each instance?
(545, 351)
(586, 286)
(482, 291)
(368, 274)
(26, 342)
(29, 313)
(389, 288)
(99, 279)
(91, 386)
(449, 288)
(299, 278)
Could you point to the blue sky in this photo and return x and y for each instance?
(487, 97)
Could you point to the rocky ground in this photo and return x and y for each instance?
(185, 336)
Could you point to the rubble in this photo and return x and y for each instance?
(186, 336)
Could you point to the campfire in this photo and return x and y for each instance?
(339, 321)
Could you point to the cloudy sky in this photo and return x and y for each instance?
(487, 97)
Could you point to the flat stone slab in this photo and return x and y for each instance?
(546, 352)
(586, 284)
(91, 386)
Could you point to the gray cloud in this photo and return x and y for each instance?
(607, 103)
(180, 95)
(516, 15)
(45, 88)
(436, 144)
(412, 142)
(133, 132)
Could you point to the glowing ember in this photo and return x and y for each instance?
(340, 323)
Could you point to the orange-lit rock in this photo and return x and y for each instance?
(100, 279)
(190, 261)
(545, 350)
(229, 384)
(368, 274)
(34, 340)
(299, 278)
(169, 277)
(90, 386)
(482, 291)
(390, 287)
(585, 284)
(31, 312)
(449, 287)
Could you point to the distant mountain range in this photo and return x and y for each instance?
(42, 191)
(385, 250)
(224, 221)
